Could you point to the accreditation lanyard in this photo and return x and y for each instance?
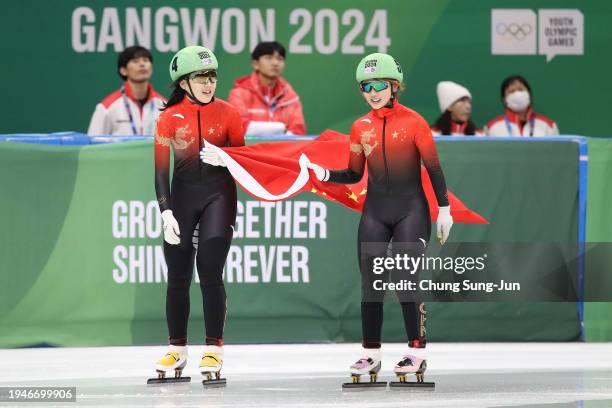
(128, 110)
(531, 125)
(272, 102)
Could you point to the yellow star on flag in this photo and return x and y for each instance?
(353, 196)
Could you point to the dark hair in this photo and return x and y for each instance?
(512, 78)
(443, 123)
(129, 54)
(267, 48)
(177, 95)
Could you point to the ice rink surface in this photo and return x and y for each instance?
(547, 375)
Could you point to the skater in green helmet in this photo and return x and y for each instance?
(392, 140)
(201, 193)
(190, 67)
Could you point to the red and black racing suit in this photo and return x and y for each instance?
(392, 141)
(202, 194)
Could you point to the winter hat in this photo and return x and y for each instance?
(450, 92)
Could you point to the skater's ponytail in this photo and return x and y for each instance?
(177, 96)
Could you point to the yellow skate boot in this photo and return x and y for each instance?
(210, 366)
(174, 360)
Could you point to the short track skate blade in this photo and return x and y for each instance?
(222, 382)
(426, 385)
(365, 385)
(168, 380)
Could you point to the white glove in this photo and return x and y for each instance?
(210, 156)
(444, 223)
(320, 173)
(171, 228)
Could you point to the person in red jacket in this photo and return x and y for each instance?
(267, 103)
(201, 193)
(391, 140)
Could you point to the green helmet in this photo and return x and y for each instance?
(378, 65)
(191, 59)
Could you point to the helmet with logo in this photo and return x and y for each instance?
(192, 59)
(378, 66)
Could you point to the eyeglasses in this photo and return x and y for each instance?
(376, 85)
(204, 77)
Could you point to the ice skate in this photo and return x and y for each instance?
(210, 367)
(369, 364)
(409, 365)
(174, 360)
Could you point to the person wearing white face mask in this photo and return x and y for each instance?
(519, 118)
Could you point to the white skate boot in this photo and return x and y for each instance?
(370, 364)
(411, 364)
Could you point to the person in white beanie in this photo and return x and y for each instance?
(519, 118)
(456, 107)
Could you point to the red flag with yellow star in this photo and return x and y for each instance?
(277, 171)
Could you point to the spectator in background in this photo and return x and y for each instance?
(267, 103)
(519, 119)
(132, 109)
(456, 107)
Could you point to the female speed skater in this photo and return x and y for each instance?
(392, 140)
(200, 193)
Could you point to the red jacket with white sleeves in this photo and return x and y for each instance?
(510, 124)
(121, 114)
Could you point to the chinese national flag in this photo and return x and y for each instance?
(276, 171)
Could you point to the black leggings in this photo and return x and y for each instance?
(213, 206)
(391, 225)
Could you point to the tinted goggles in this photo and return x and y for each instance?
(204, 77)
(376, 85)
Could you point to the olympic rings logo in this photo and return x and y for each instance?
(518, 31)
